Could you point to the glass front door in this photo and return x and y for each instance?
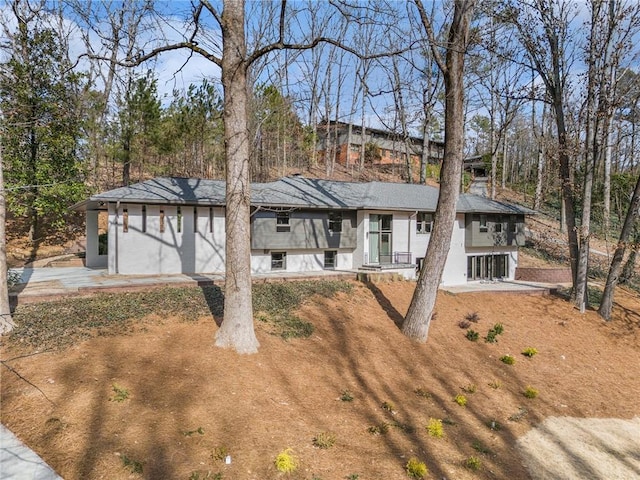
(380, 238)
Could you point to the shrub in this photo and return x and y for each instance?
(492, 334)
(133, 465)
(388, 406)
(13, 278)
(529, 352)
(508, 359)
(460, 400)
(379, 429)
(495, 384)
(471, 388)
(416, 468)
(434, 427)
(519, 415)
(219, 454)
(285, 462)
(324, 440)
(473, 463)
(421, 392)
(472, 335)
(464, 324)
(494, 425)
(479, 447)
(530, 392)
(120, 394)
(472, 317)
(346, 396)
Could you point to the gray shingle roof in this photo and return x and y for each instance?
(297, 191)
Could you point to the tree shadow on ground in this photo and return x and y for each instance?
(385, 303)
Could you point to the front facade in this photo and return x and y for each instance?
(176, 225)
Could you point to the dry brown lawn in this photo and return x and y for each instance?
(188, 400)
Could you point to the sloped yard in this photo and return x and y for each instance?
(152, 398)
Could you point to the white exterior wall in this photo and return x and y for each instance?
(201, 249)
(170, 251)
(299, 261)
(92, 258)
(455, 268)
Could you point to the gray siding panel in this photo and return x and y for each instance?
(308, 229)
(474, 237)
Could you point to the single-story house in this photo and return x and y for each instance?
(177, 225)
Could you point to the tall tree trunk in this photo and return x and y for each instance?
(606, 305)
(630, 265)
(416, 323)
(6, 322)
(236, 330)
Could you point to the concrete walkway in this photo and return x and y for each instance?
(18, 462)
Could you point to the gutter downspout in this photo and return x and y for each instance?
(413, 215)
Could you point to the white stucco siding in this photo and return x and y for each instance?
(299, 261)
(165, 242)
(210, 240)
(93, 259)
(455, 268)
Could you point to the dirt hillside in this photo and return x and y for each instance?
(189, 404)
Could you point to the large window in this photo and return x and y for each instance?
(279, 261)
(330, 259)
(335, 222)
(282, 222)
(487, 267)
(424, 222)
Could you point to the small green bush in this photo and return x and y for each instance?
(285, 462)
(324, 440)
(473, 463)
(388, 406)
(492, 334)
(379, 429)
(434, 427)
(495, 384)
(519, 415)
(416, 468)
(529, 352)
(460, 400)
(507, 359)
(133, 465)
(494, 425)
(472, 335)
(471, 388)
(219, 453)
(13, 278)
(530, 392)
(421, 392)
(479, 447)
(346, 396)
(120, 393)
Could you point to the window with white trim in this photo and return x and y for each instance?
(282, 222)
(424, 222)
(335, 222)
(330, 259)
(278, 260)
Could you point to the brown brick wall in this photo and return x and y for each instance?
(544, 275)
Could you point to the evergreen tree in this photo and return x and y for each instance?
(40, 125)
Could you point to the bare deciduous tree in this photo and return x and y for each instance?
(418, 318)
